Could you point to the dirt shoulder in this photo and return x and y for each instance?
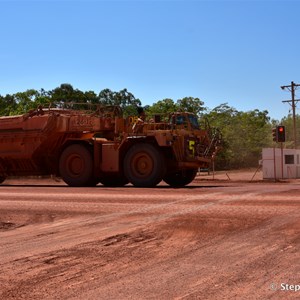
(215, 239)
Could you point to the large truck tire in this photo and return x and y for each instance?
(144, 165)
(180, 178)
(76, 166)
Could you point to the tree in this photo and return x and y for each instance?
(252, 133)
(289, 129)
(25, 101)
(244, 135)
(91, 97)
(123, 98)
(164, 106)
(8, 105)
(65, 93)
(191, 104)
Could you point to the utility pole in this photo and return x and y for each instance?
(292, 87)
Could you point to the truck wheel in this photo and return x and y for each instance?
(180, 178)
(2, 179)
(144, 165)
(76, 166)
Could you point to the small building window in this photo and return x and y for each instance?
(289, 159)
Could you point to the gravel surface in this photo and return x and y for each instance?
(228, 238)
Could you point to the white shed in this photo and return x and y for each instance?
(286, 163)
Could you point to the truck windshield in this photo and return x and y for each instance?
(194, 122)
(180, 120)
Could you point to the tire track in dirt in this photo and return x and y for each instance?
(203, 245)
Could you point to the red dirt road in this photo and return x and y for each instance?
(211, 240)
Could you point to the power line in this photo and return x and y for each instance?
(292, 87)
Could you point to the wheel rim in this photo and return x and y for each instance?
(75, 165)
(142, 165)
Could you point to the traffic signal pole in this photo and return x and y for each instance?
(292, 87)
(278, 134)
(274, 156)
(281, 152)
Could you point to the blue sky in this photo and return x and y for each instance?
(239, 52)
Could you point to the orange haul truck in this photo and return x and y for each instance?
(85, 148)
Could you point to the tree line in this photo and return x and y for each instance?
(244, 133)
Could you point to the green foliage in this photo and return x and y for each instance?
(8, 105)
(289, 130)
(25, 101)
(65, 94)
(244, 134)
(164, 106)
(123, 98)
(190, 104)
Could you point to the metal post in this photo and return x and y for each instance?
(294, 113)
(274, 164)
(213, 165)
(292, 87)
(281, 145)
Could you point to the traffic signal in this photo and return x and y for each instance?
(280, 133)
(274, 134)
